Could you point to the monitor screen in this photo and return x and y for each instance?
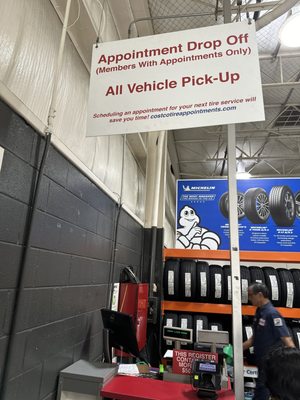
(121, 331)
(206, 367)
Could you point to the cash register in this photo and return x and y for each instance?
(209, 376)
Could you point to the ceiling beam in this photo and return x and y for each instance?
(279, 157)
(213, 140)
(203, 176)
(235, 9)
(280, 84)
(276, 12)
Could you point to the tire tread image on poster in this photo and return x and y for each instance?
(257, 205)
(282, 205)
(297, 201)
(224, 205)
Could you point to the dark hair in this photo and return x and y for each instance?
(282, 372)
(260, 288)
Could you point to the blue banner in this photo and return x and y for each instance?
(268, 214)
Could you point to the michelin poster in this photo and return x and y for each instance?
(268, 214)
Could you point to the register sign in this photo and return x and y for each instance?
(199, 77)
(183, 359)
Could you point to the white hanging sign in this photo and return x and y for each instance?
(200, 77)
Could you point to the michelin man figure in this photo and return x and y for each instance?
(192, 236)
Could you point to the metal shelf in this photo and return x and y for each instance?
(268, 256)
(209, 308)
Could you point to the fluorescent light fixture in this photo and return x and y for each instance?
(289, 33)
(241, 171)
(243, 175)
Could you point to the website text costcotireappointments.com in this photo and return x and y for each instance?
(192, 112)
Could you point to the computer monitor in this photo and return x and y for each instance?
(121, 331)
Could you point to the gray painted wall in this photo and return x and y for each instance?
(69, 263)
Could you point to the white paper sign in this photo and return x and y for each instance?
(199, 77)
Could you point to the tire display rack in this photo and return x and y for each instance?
(210, 308)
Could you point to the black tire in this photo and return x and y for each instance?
(247, 333)
(296, 336)
(227, 284)
(296, 277)
(202, 282)
(188, 280)
(217, 284)
(290, 332)
(186, 321)
(170, 319)
(273, 284)
(256, 275)
(215, 326)
(297, 202)
(171, 280)
(287, 287)
(200, 322)
(245, 283)
(282, 205)
(257, 205)
(224, 205)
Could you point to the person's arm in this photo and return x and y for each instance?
(248, 343)
(288, 341)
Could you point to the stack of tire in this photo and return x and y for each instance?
(196, 281)
(296, 335)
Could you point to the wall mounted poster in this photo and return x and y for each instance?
(268, 214)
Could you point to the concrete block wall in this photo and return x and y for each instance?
(68, 266)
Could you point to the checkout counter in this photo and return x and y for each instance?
(122, 387)
(135, 388)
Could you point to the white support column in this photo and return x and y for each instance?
(235, 268)
(157, 178)
(150, 176)
(155, 189)
(162, 189)
(234, 252)
(57, 72)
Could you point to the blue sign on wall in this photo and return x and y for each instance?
(268, 213)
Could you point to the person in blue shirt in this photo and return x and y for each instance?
(269, 332)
